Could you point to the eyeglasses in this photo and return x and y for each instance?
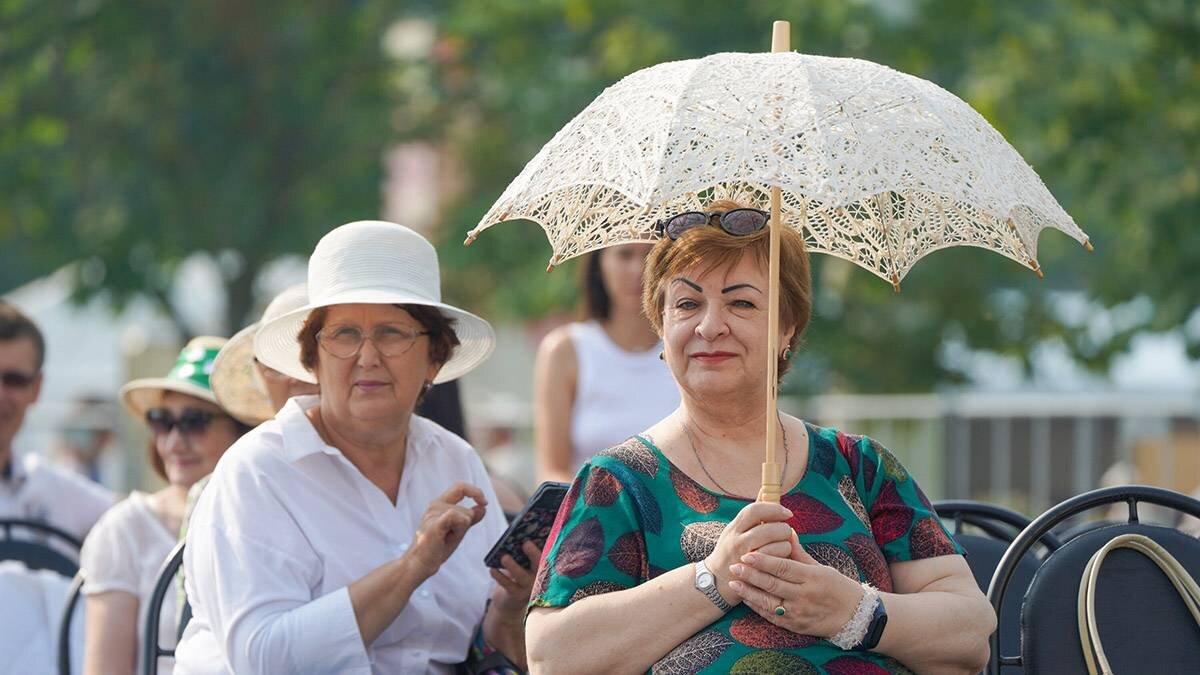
(190, 422)
(15, 379)
(345, 341)
(738, 222)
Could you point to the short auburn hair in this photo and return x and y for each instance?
(442, 338)
(713, 247)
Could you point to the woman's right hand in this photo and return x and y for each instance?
(444, 525)
(760, 526)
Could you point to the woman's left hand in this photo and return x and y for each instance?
(817, 599)
(514, 584)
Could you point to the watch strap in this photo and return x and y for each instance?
(710, 591)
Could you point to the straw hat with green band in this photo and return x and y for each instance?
(235, 380)
(188, 376)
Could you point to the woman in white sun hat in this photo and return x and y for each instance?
(348, 534)
(189, 432)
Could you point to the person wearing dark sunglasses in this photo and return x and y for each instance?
(31, 487)
(189, 431)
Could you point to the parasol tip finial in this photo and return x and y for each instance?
(1087, 245)
(781, 36)
(470, 238)
(553, 263)
(895, 282)
(1033, 264)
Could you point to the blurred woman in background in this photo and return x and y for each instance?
(599, 380)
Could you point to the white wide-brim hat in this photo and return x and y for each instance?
(235, 381)
(378, 263)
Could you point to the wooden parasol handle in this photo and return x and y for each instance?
(772, 477)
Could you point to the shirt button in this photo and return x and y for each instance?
(404, 547)
(424, 594)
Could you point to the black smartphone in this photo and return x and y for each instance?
(533, 523)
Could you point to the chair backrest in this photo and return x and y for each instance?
(1049, 628)
(37, 553)
(64, 624)
(1143, 623)
(151, 650)
(1000, 526)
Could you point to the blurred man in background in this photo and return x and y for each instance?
(29, 486)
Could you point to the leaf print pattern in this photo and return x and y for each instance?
(597, 588)
(870, 560)
(624, 523)
(891, 466)
(580, 549)
(754, 631)
(634, 454)
(832, 555)
(649, 512)
(890, 516)
(628, 555)
(852, 665)
(929, 540)
(756, 663)
(823, 459)
(691, 494)
(602, 488)
(694, 654)
(848, 445)
(810, 515)
(699, 539)
(850, 495)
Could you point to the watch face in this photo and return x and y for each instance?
(705, 580)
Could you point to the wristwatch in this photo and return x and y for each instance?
(706, 583)
(875, 628)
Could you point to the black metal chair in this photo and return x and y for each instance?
(151, 650)
(1000, 526)
(1145, 626)
(64, 624)
(37, 553)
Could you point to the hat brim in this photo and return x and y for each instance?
(234, 382)
(277, 346)
(139, 396)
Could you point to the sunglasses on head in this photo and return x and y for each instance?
(190, 421)
(738, 222)
(15, 379)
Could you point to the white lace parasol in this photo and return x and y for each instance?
(875, 166)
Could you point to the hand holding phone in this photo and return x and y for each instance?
(533, 523)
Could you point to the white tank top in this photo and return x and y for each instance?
(618, 393)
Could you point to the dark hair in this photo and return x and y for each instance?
(596, 303)
(15, 325)
(715, 248)
(442, 338)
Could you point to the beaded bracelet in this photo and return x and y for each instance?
(856, 628)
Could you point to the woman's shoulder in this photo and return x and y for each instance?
(445, 443)
(558, 346)
(636, 453)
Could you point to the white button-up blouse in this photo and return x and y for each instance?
(287, 523)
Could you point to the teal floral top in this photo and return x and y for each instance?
(631, 515)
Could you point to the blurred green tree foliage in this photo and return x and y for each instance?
(1102, 98)
(134, 133)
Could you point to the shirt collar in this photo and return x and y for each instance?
(15, 473)
(300, 437)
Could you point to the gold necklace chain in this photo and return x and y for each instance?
(692, 442)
